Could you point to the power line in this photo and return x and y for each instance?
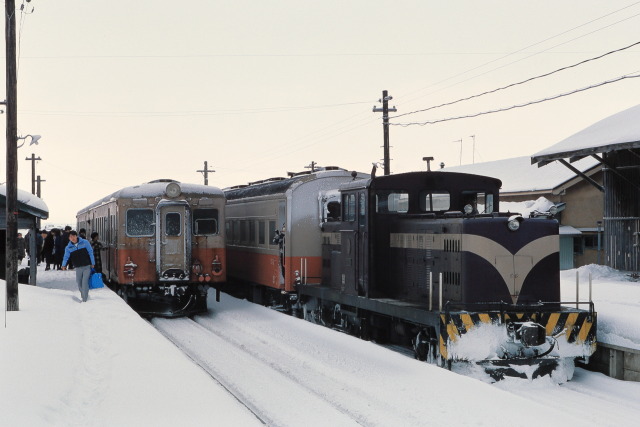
(191, 113)
(430, 122)
(520, 82)
(535, 44)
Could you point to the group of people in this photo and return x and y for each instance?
(62, 249)
(50, 246)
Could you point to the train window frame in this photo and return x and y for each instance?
(389, 201)
(151, 225)
(204, 216)
(429, 194)
(169, 225)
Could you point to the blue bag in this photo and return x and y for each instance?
(95, 280)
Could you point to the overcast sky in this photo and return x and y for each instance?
(126, 92)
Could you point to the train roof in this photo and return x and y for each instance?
(281, 185)
(157, 188)
(436, 179)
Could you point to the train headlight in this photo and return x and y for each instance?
(173, 189)
(468, 209)
(514, 222)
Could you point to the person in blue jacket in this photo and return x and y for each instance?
(80, 253)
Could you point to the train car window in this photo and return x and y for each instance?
(235, 224)
(434, 201)
(252, 232)
(349, 204)
(392, 202)
(362, 208)
(243, 231)
(272, 231)
(333, 211)
(173, 224)
(205, 221)
(140, 222)
(261, 232)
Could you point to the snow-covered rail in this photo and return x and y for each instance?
(254, 374)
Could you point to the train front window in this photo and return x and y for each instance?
(172, 224)
(392, 202)
(140, 222)
(205, 222)
(434, 201)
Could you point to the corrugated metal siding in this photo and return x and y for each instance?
(566, 252)
(622, 211)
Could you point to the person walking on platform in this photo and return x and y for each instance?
(79, 251)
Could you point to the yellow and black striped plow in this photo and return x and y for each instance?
(576, 326)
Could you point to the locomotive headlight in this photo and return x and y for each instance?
(514, 222)
(173, 189)
(468, 209)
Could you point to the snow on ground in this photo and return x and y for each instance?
(616, 296)
(64, 363)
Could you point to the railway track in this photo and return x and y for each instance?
(253, 374)
(288, 374)
(282, 380)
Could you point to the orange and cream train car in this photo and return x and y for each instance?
(264, 253)
(163, 244)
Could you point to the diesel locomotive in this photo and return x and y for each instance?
(164, 244)
(425, 260)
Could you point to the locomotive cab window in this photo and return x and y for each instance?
(172, 224)
(140, 222)
(480, 201)
(434, 201)
(392, 202)
(205, 221)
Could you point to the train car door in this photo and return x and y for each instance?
(362, 245)
(173, 233)
(352, 245)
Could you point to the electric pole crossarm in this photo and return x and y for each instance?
(205, 172)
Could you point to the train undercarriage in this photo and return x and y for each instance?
(170, 300)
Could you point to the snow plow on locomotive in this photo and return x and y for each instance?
(425, 260)
(163, 246)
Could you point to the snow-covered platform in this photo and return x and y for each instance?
(63, 362)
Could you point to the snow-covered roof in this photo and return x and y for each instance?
(616, 132)
(157, 189)
(518, 174)
(27, 203)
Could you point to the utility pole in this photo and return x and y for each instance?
(205, 172)
(312, 166)
(11, 241)
(473, 155)
(38, 193)
(385, 127)
(33, 159)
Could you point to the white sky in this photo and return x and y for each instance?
(125, 92)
